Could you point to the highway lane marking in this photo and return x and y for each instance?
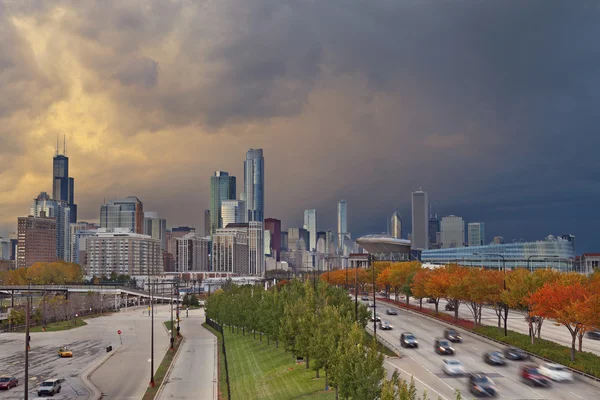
(537, 393)
(474, 348)
(423, 383)
(431, 372)
(471, 358)
(576, 395)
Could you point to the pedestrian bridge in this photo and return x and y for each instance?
(115, 290)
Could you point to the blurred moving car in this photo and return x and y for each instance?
(7, 382)
(494, 357)
(65, 352)
(450, 306)
(481, 385)
(391, 311)
(49, 387)
(442, 346)
(595, 334)
(513, 353)
(375, 317)
(556, 372)
(453, 367)
(407, 339)
(371, 304)
(431, 300)
(365, 298)
(385, 326)
(531, 375)
(452, 335)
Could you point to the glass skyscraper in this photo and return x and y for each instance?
(310, 224)
(63, 187)
(44, 207)
(476, 233)
(396, 225)
(127, 214)
(254, 185)
(222, 187)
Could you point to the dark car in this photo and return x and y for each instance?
(391, 311)
(7, 382)
(375, 317)
(482, 386)
(494, 358)
(450, 306)
(49, 387)
(407, 339)
(442, 346)
(594, 335)
(431, 300)
(531, 375)
(365, 298)
(513, 353)
(452, 335)
(385, 326)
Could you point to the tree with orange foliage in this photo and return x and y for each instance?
(458, 286)
(419, 283)
(384, 280)
(437, 286)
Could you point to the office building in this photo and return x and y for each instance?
(420, 223)
(396, 225)
(342, 225)
(192, 253)
(298, 239)
(330, 242)
(43, 206)
(254, 185)
(5, 249)
(63, 186)
(124, 253)
(321, 246)
(37, 240)
(267, 242)
(256, 252)
(434, 229)
(452, 232)
(556, 253)
(14, 242)
(230, 250)
(206, 222)
(273, 225)
(80, 231)
(222, 187)
(232, 212)
(156, 228)
(310, 224)
(284, 241)
(476, 233)
(123, 214)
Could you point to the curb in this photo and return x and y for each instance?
(84, 377)
(168, 373)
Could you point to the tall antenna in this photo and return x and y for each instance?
(65, 145)
(57, 144)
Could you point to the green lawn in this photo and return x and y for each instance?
(59, 326)
(261, 371)
(222, 372)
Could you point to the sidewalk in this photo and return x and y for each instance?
(194, 374)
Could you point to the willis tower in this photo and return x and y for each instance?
(63, 187)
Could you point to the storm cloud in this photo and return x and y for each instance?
(490, 106)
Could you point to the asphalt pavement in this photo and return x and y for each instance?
(426, 366)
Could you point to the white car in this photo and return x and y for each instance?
(556, 372)
(453, 367)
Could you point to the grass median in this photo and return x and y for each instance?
(159, 376)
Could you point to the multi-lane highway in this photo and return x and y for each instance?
(426, 366)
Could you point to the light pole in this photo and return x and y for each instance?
(538, 256)
(504, 282)
(152, 336)
(372, 265)
(172, 337)
(356, 294)
(26, 386)
(177, 294)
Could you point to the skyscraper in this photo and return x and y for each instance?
(420, 228)
(254, 184)
(156, 228)
(453, 231)
(396, 225)
(310, 224)
(298, 239)
(222, 187)
(127, 213)
(63, 187)
(232, 212)
(434, 229)
(476, 233)
(274, 226)
(342, 225)
(43, 206)
(206, 222)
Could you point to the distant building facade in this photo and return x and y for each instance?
(396, 225)
(310, 225)
(43, 206)
(222, 187)
(207, 222)
(284, 241)
(37, 240)
(476, 233)
(273, 225)
(232, 212)
(452, 231)
(254, 185)
(342, 225)
(230, 251)
(298, 239)
(156, 228)
(123, 214)
(192, 253)
(434, 231)
(63, 186)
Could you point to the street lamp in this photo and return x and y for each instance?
(152, 384)
(26, 386)
(504, 281)
(372, 265)
(538, 256)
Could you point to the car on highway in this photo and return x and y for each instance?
(385, 326)
(516, 354)
(365, 298)
(481, 385)
(442, 346)
(407, 339)
(556, 372)
(375, 317)
(452, 366)
(431, 300)
(391, 311)
(7, 382)
(494, 357)
(450, 306)
(595, 335)
(49, 387)
(371, 304)
(531, 375)
(65, 352)
(452, 335)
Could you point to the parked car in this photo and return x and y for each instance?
(594, 335)
(531, 375)
(452, 366)
(513, 353)
(452, 335)
(450, 306)
(481, 385)
(407, 339)
(49, 387)
(391, 311)
(385, 326)
(556, 372)
(7, 382)
(442, 346)
(65, 352)
(431, 300)
(375, 317)
(494, 357)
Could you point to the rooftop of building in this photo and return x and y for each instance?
(383, 243)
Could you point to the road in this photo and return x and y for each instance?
(194, 374)
(426, 366)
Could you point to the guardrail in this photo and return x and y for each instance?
(219, 328)
(385, 342)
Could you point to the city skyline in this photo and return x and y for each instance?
(490, 112)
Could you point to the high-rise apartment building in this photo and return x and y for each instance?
(43, 206)
(192, 253)
(256, 248)
(434, 229)
(63, 186)
(298, 239)
(254, 185)
(310, 224)
(206, 222)
(476, 233)
(396, 225)
(80, 231)
(232, 212)
(284, 241)
(37, 240)
(420, 227)
(230, 250)
(342, 226)
(330, 242)
(222, 187)
(452, 231)
(156, 228)
(273, 225)
(125, 214)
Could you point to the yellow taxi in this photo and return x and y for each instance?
(65, 352)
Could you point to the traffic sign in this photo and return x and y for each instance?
(119, 331)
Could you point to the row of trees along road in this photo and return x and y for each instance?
(317, 323)
(43, 273)
(569, 299)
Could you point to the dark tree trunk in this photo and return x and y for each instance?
(317, 374)
(308, 365)
(421, 304)
(580, 335)
(437, 302)
(456, 303)
(407, 300)
(574, 335)
(539, 329)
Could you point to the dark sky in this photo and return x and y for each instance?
(490, 106)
